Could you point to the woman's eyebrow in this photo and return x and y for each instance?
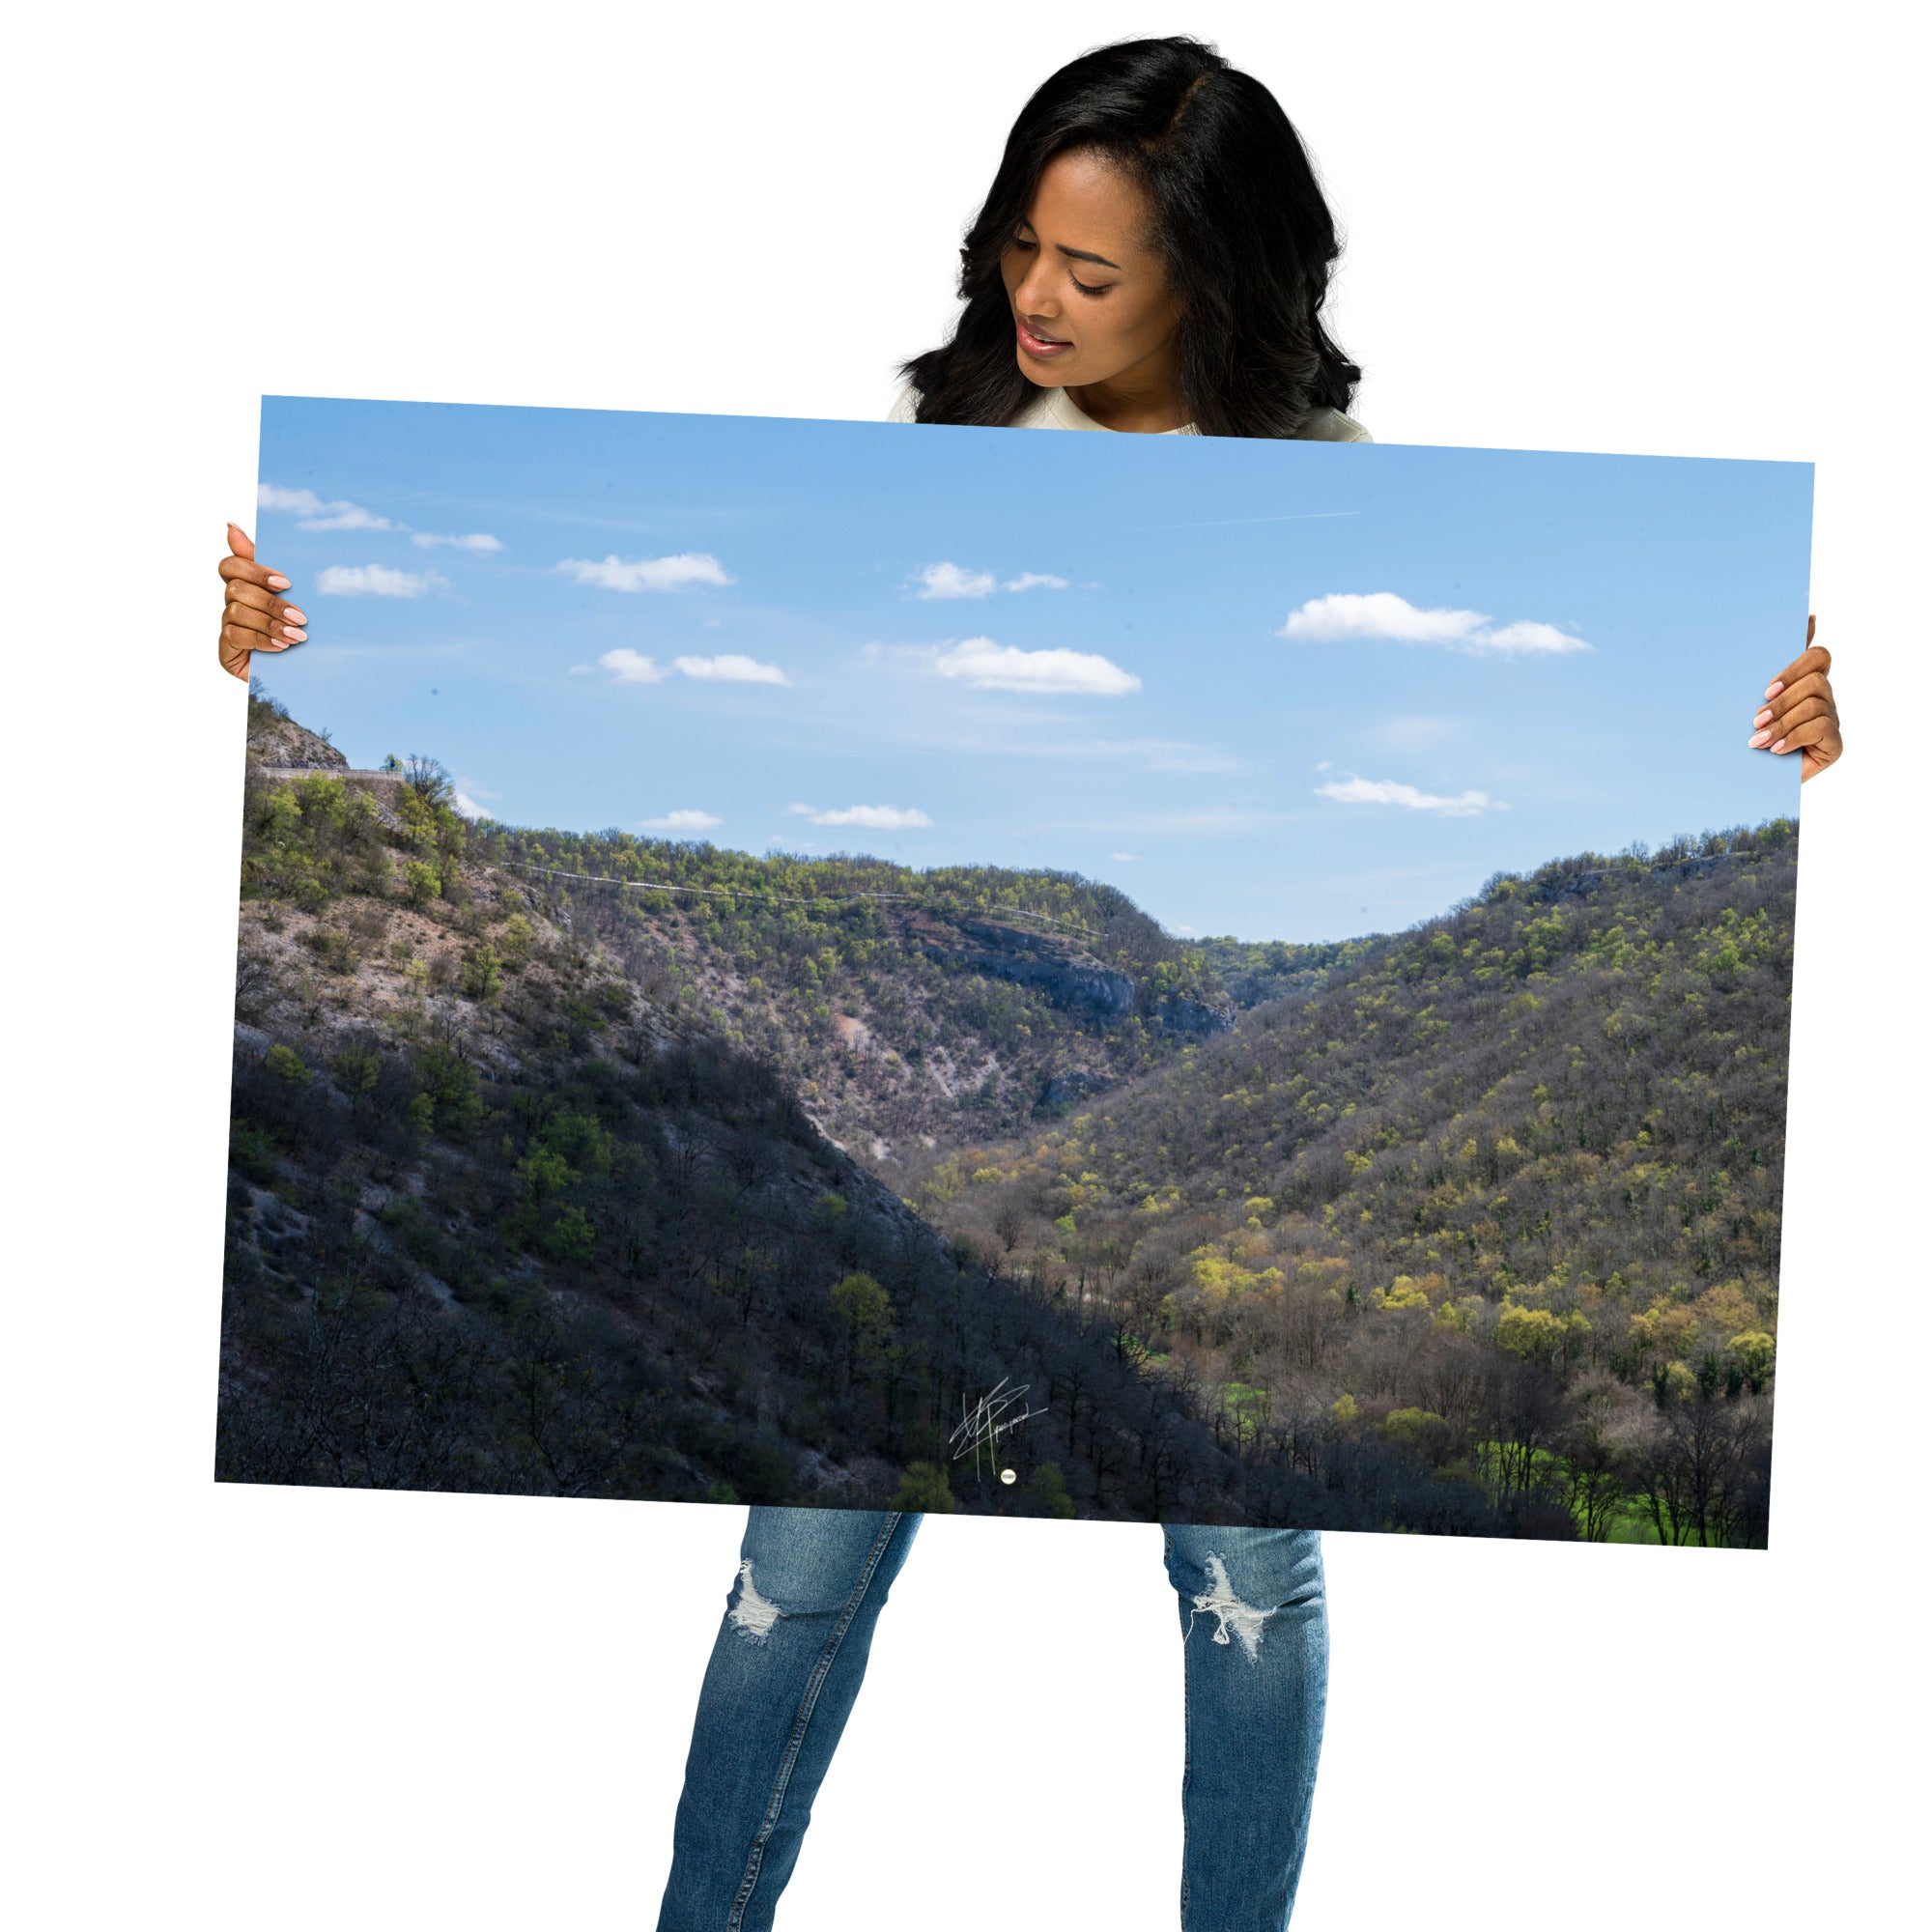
(1088, 255)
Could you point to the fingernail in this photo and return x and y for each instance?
(294, 636)
(1771, 690)
(1762, 738)
(1779, 746)
(1762, 717)
(295, 617)
(282, 584)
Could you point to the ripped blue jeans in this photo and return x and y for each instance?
(790, 1654)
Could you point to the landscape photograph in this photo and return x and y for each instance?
(1125, 978)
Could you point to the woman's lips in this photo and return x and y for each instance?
(1043, 345)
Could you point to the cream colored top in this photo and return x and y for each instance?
(1055, 409)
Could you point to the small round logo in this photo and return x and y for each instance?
(1008, 1476)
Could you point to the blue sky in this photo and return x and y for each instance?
(1287, 691)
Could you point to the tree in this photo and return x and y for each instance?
(923, 1489)
(1755, 1354)
(428, 780)
(287, 1066)
(864, 1311)
(482, 973)
(1047, 1492)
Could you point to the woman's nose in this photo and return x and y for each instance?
(1035, 295)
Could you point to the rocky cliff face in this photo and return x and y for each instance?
(277, 741)
(1071, 978)
(1192, 1017)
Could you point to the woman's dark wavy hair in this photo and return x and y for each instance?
(1242, 231)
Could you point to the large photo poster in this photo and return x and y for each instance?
(1147, 978)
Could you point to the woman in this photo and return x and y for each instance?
(1152, 258)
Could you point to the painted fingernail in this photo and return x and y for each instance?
(295, 617)
(1771, 690)
(1762, 738)
(1762, 717)
(1779, 746)
(282, 584)
(294, 633)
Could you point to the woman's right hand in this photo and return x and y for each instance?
(254, 618)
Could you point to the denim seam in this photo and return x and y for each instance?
(807, 1705)
(1186, 1748)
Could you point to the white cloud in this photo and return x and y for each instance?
(579, 670)
(730, 669)
(991, 667)
(629, 667)
(468, 794)
(1525, 637)
(647, 573)
(272, 496)
(869, 817)
(952, 579)
(375, 580)
(1126, 858)
(683, 821)
(314, 514)
(940, 580)
(1347, 616)
(479, 541)
(1389, 791)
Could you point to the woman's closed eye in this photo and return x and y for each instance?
(1021, 241)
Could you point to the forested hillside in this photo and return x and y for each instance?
(502, 1218)
(890, 999)
(1504, 1189)
(608, 1166)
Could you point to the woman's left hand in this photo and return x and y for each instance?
(1798, 713)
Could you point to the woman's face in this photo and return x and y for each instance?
(1091, 301)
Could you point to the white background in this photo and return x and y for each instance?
(1674, 229)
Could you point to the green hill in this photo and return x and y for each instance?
(1504, 1189)
(613, 1166)
(890, 1000)
(506, 1216)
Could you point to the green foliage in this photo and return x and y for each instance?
(863, 1314)
(482, 976)
(251, 1152)
(287, 1066)
(571, 1236)
(1047, 1492)
(357, 1068)
(1255, 971)
(923, 1489)
(516, 942)
(1755, 1355)
(542, 1171)
(862, 1305)
(449, 1085)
